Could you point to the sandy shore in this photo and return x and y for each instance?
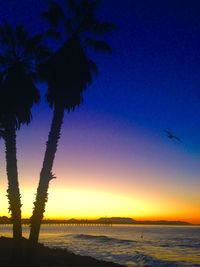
(44, 257)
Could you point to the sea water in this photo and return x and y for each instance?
(132, 245)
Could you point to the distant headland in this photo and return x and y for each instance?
(102, 221)
(122, 220)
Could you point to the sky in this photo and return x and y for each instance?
(114, 158)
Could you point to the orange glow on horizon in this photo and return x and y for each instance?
(88, 204)
(118, 181)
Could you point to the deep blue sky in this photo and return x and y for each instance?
(150, 83)
(155, 66)
(152, 77)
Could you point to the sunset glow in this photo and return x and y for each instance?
(99, 133)
(114, 157)
(104, 177)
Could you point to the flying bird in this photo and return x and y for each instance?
(172, 136)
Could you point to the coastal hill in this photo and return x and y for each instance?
(122, 220)
(103, 220)
(117, 220)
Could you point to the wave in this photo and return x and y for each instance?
(197, 245)
(123, 251)
(149, 261)
(102, 238)
(181, 245)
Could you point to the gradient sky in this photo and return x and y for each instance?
(114, 158)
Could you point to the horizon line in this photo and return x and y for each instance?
(112, 217)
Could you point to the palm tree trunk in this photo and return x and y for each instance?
(46, 173)
(12, 174)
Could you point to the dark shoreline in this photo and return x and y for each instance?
(46, 257)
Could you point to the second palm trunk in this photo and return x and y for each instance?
(46, 173)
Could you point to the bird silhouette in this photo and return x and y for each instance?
(170, 135)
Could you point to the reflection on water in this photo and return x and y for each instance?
(173, 246)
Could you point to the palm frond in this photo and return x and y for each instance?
(54, 14)
(69, 71)
(19, 57)
(78, 12)
(35, 48)
(90, 5)
(99, 46)
(85, 8)
(69, 26)
(6, 34)
(71, 4)
(52, 33)
(3, 60)
(34, 41)
(86, 23)
(21, 34)
(94, 67)
(42, 53)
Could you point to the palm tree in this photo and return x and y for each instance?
(68, 73)
(19, 55)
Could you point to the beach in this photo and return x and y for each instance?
(45, 257)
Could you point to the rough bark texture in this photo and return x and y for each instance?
(12, 174)
(46, 174)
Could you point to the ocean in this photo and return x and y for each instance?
(130, 245)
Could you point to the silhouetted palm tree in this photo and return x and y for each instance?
(19, 55)
(68, 73)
